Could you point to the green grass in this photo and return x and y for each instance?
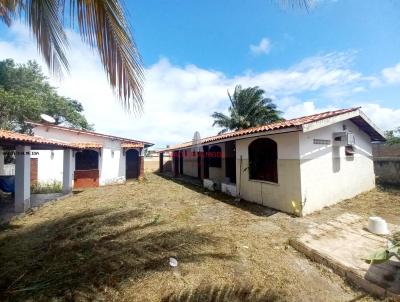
(46, 187)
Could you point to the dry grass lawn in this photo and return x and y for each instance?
(113, 244)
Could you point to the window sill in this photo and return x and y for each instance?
(265, 182)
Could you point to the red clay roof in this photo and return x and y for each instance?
(29, 140)
(90, 133)
(296, 122)
(86, 145)
(132, 145)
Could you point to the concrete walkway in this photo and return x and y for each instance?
(341, 244)
(7, 211)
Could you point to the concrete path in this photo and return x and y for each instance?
(342, 243)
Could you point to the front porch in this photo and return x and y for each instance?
(214, 165)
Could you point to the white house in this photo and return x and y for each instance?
(296, 166)
(100, 159)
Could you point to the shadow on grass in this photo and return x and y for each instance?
(91, 251)
(194, 184)
(225, 293)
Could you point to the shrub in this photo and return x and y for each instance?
(53, 186)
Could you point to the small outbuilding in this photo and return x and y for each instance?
(297, 166)
(20, 146)
(99, 159)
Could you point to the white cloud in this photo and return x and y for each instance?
(385, 118)
(392, 74)
(180, 99)
(264, 47)
(304, 108)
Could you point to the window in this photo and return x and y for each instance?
(214, 155)
(87, 160)
(263, 158)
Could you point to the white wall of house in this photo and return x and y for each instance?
(276, 195)
(112, 161)
(50, 165)
(190, 165)
(327, 174)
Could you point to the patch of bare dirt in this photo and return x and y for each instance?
(114, 244)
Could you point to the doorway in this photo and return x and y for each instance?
(132, 164)
(86, 173)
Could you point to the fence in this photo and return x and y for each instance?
(387, 163)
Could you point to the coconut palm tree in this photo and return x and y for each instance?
(101, 24)
(248, 109)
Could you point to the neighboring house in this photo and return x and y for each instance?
(102, 159)
(296, 166)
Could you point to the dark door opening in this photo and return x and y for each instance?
(199, 165)
(230, 161)
(175, 161)
(86, 173)
(181, 162)
(206, 162)
(132, 164)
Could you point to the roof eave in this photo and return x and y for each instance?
(239, 137)
(63, 128)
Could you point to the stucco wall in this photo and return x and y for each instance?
(190, 165)
(280, 195)
(112, 161)
(327, 174)
(218, 174)
(50, 165)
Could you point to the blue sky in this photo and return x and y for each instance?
(216, 34)
(339, 54)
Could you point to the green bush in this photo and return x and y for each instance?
(46, 187)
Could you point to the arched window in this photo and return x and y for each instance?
(87, 160)
(263, 157)
(214, 155)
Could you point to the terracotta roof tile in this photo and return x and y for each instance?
(28, 139)
(132, 145)
(296, 122)
(86, 145)
(90, 133)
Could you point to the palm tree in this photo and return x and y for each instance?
(248, 109)
(102, 25)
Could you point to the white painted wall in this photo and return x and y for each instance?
(50, 165)
(327, 175)
(278, 196)
(190, 166)
(112, 161)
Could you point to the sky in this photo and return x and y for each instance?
(338, 54)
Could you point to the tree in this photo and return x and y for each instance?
(248, 109)
(393, 136)
(25, 94)
(101, 24)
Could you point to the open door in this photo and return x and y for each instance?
(206, 162)
(132, 164)
(181, 162)
(230, 161)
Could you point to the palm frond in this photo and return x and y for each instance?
(43, 17)
(103, 26)
(7, 10)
